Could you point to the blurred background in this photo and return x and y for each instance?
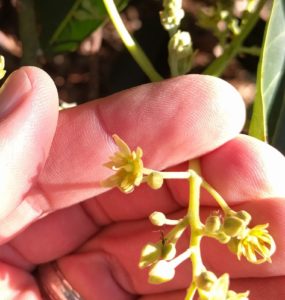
(99, 64)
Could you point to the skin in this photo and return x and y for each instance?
(53, 207)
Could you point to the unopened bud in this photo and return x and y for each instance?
(222, 237)
(149, 255)
(244, 215)
(180, 53)
(172, 14)
(233, 226)
(206, 280)
(155, 180)
(213, 224)
(168, 251)
(157, 218)
(161, 272)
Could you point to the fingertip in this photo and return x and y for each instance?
(246, 169)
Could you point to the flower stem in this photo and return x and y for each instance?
(168, 175)
(220, 200)
(195, 223)
(134, 49)
(191, 291)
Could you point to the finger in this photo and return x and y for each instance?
(119, 246)
(243, 169)
(186, 116)
(27, 125)
(49, 238)
(16, 284)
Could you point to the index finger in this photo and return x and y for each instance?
(173, 121)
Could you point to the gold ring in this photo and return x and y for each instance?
(53, 285)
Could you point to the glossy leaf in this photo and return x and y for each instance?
(278, 140)
(64, 24)
(271, 72)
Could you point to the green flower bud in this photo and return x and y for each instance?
(206, 280)
(161, 272)
(213, 224)
(168, 251)
(155, 180)
(180, 53)
(222, 237)
(149, 255)
(244, 215)
(233, 226)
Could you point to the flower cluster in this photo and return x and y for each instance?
(230, 228)
(212, 288)
(255, 244)
(172, 14)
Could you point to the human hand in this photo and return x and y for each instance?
(53, 207)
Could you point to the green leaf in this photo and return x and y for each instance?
(278, 140)
(271, 72)
(64, 24)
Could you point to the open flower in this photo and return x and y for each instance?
(128, 166)
(2, 66)
(256, 245)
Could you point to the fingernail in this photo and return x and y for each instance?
(13, 91)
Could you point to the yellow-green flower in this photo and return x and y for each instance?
(212, 288)
(2, 66)
(218, 289)
(128, 166)
(255, 244)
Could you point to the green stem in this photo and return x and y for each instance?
(134, 49)
(216, 196)
(191, 291)
(218, 66)
(195, 223)
(28, 32)
(168, 175)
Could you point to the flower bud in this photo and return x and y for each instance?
(168, 251)
(155, 180)
(206, 280)
(180, 53)
(222, 237)
(213, 224)
(161, 272)
(244, 215)
(157, 218)
(172, 14)
(149, 255)
(233, 226)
